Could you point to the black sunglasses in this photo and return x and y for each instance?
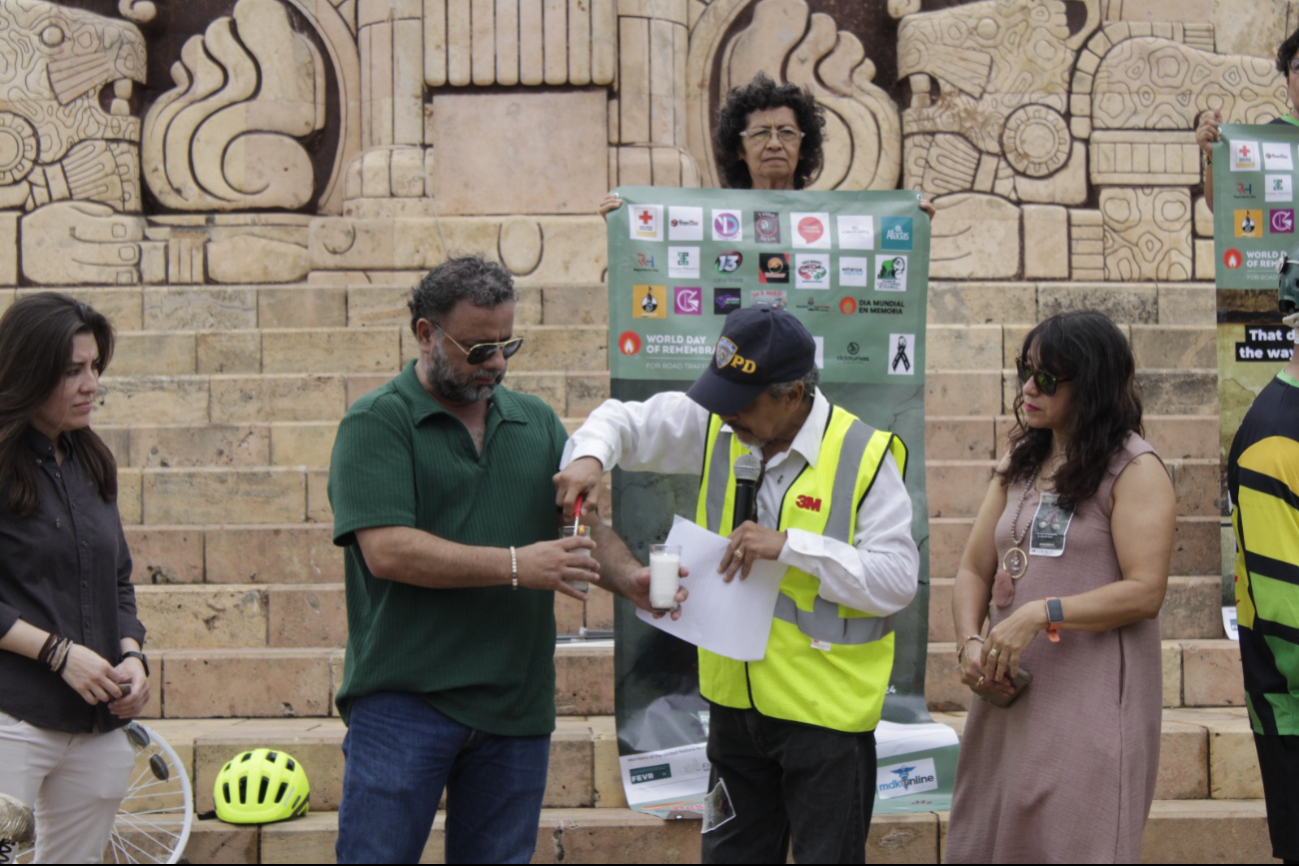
(1046, 382)
(481, 353)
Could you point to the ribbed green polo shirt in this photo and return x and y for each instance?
(483, 656)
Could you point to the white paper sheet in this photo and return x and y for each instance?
(731, 619)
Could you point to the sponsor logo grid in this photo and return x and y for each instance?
(858, 277)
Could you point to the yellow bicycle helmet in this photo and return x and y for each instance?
(260, 787)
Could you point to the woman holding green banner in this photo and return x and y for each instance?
(769, 137)
(1206, 134)
(1073, 539)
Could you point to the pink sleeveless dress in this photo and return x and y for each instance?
(1066, 774)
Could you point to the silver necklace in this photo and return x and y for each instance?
(1015, 562)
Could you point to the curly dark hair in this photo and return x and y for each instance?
(1087, 348)
(1286, 53)
(484, 284)
(759, 94)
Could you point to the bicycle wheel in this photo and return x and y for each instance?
(154, 819)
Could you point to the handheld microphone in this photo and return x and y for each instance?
(747, 471)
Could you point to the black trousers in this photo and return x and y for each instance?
(1278, 759)
(789, 781)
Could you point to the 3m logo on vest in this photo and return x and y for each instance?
(899, 780)
(807, 503)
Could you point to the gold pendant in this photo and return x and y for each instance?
(1015, 563)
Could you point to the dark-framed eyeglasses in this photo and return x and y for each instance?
(1046, 382)
(763, 134)
(481, 353)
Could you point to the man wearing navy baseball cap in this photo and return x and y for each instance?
(790, 736)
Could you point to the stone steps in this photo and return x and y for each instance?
(1204, 754)
(309, 443)
(202, 616)
(1197, 545)
(298, 682)
(956, 488)
(264, 398)
(313, 615)
(198, 495)
(304, 552)
(1178, 831)
(379, 299)
(376, 348)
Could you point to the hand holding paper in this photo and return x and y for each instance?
(731, 619)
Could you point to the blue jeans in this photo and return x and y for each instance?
(788, 781)
(400, 753)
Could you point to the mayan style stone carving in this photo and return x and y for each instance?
(1137, 81)
(224, 138)
(531, 42)
(1147, 233)
(56, 141)
(788, 42)
(1001, 70)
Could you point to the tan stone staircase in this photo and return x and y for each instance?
(221, 406)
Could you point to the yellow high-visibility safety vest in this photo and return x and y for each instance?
(826, 664)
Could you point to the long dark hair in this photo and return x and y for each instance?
(1086, 347)
(36, 336)
(758, 95)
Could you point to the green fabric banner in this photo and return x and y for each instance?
(1255, 175)
(854, 268)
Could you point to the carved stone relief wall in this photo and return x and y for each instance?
(250, 141)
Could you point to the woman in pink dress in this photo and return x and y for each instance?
(1068, 563)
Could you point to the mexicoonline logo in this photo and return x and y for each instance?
(898, 780)
(1232, 259)
(629, 342)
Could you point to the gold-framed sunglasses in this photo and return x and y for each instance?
(1046, 382)
(762, 135)
(481, 353)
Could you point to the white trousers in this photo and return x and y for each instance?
(75, 782)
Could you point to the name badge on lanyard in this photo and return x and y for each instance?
(1050, 527)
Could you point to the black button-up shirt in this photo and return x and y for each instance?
(64, 569)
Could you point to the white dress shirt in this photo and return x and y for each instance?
(668, 433)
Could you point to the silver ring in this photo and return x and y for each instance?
(994, 652)
(739, 553)
(979, 684)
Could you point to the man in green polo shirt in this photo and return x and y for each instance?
(442, 494)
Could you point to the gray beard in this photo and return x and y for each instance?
(455, 388)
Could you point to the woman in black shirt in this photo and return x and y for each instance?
(70, 660)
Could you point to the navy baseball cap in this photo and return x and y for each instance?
(760, 346)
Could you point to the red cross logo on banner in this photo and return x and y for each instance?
(646, 218)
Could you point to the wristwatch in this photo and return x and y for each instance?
(136, 654)
(1054, 616)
